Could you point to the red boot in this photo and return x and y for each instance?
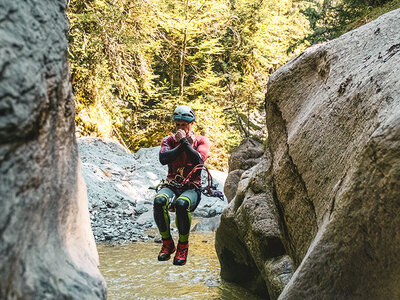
(168, 247)
(181, 254)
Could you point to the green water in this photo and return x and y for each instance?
(132, 271)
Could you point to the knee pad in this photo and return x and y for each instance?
(160, 200)
(181, 204)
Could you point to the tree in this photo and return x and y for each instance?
(133, 61)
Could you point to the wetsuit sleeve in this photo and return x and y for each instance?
(194, 156)
(168, 155)
(204, 147)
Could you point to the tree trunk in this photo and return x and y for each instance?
(183, 53)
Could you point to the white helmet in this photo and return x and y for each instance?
(184, 112)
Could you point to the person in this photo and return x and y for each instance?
(182, 152)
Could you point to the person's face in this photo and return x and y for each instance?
(184, 125)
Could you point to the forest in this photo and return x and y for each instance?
(133, 61)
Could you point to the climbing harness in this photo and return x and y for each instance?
(210, 189)
(179, 183)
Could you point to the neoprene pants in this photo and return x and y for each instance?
(183, 204)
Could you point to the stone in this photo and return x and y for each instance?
(318, 219)
(141, 208)
(231, 183)
(47, 245)
(333, 117)
(212, 213)
(111, 203)
(129, 212)
(247, 155)
(202, 212)
(110, 215)
(249, 241)
(145, 218)
(208, 224)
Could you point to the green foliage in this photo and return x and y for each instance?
(329, 19)
(372, 13)
(133, 61)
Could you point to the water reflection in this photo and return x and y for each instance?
(132, 271)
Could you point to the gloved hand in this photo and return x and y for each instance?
(180, 134)
(191, 137)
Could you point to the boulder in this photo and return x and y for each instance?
(208, 224)
(46, 242)
(247, 155)
(326, 203)
(249, 241)
(333, 117)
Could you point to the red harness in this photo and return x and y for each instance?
(211, 189)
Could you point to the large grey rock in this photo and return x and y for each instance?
(248, 239)
(329, 203)
(333, 116)
(247, 155)
(208, 224)
(47, 249)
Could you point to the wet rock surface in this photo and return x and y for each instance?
(46, 244)
(120, 201)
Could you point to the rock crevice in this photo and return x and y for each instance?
(295, 187)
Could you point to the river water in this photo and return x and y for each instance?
(132, 271)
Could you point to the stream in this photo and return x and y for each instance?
(132, 271)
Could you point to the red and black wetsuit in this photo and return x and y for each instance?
(181, 157)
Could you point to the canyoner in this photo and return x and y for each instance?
(184, 152)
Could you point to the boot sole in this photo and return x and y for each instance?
(164, 258)
(176, 263)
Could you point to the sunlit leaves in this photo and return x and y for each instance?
(126, 65)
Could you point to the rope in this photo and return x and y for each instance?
(210, 190)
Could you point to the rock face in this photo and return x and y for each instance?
(248, 240)
(333, 117)
(247, 155)
(47, 247)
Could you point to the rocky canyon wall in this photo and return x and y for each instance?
(333, 118)
(47, 248)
